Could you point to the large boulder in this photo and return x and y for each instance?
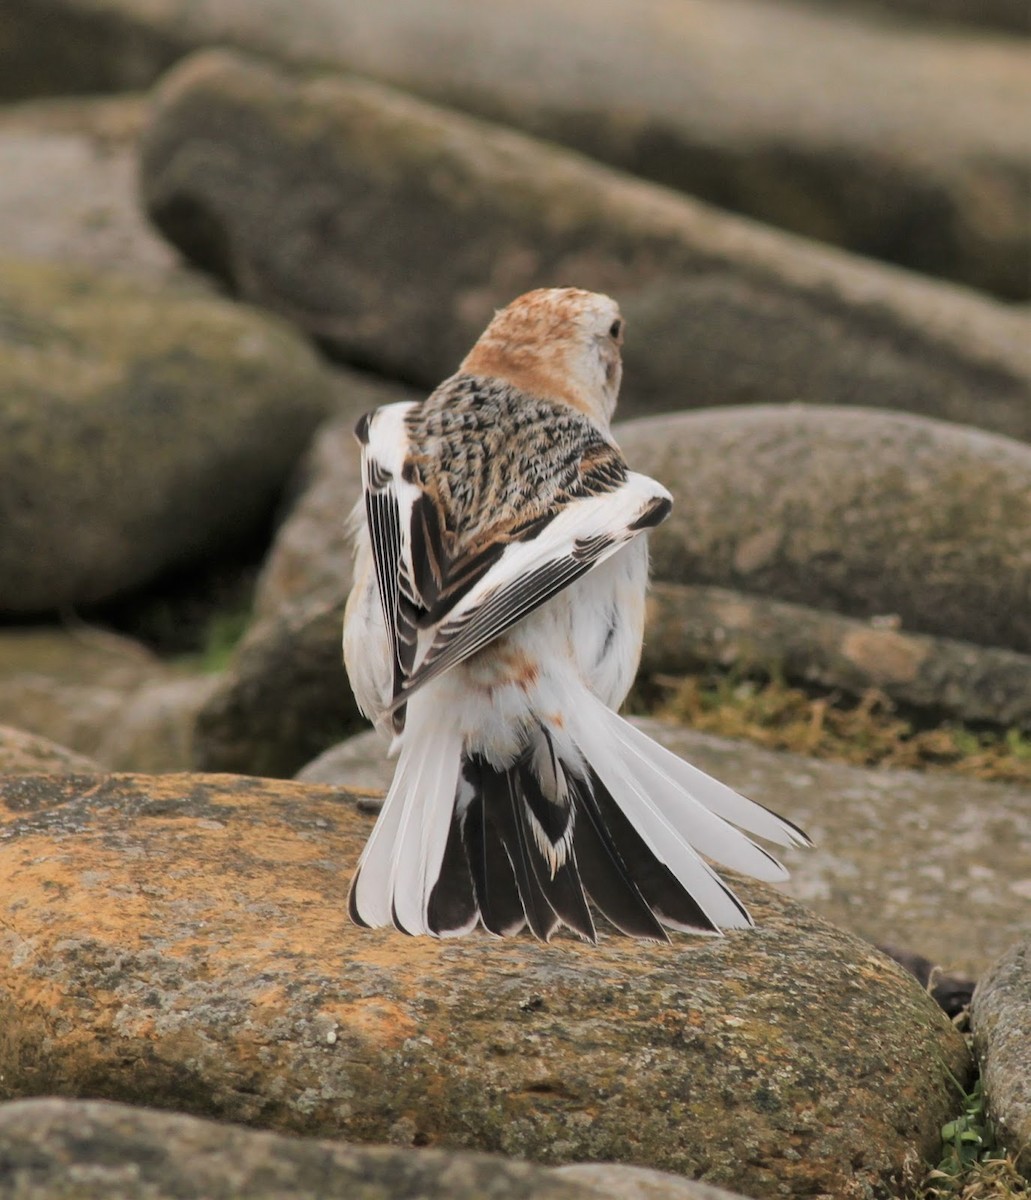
(692, 627)
(95, 1150)
(68, 189)
(1001, 1019)
(140, 430)
(894, 849)
(902, 142)
(1010, 15)
(391, 230)
(101, 695)
(863, 513)
(283, 699)
(24, 753)
(183, 942)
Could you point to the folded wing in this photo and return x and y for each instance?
(443, 598)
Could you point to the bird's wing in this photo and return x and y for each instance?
(443, 602)
(526, 573)
(389, 500)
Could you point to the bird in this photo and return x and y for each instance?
(494, 627)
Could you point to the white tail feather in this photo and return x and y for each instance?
(697, 824)
(674, 819)
(715, 796)
(663, 840)
(371, 896)
(402, 860)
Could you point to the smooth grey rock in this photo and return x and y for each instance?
(154, 729)
(1000, 1016)
(69, 190)
(102, 696)
(864, 513)
(284, 697)
(140, 430)
(895, 850)
(1009, 15)
(900, 141)
(311, 554)
(94, 1150)
(24, 753)
(312, 196)
(639, 1183)
(358, 762)
(182, 942)
(691, 627)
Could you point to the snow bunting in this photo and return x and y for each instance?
(494, 625)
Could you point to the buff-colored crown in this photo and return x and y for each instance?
(561, 343)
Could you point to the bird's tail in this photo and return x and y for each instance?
(593, 811)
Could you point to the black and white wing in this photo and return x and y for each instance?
(527, 573)
(389, 500)
(441, 602)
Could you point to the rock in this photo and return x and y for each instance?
(93, 1150)
(359, 763)
(864, 513)
(101, 695)
(1001, 1019)
(24, 753)
(284, 698)
(70, 685)
(69, 192)
(320, 188)
(139, 430)
(916, 151)
(182, 942)
(692, 627)
(312, 553)
(934, 862)
(639, 1183)
(57, 1149)
(155, 728)
(1009, 15)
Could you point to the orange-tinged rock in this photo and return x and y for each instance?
(182, 942)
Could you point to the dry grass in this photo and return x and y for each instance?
(869, 732)
(990, 1179)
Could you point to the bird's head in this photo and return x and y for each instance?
(560, 343)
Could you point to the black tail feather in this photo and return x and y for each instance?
(604, 874)
(558, 880)
(512, 858)
(452, 907)
(352, 903)
(664, 894)
(493, 881)
(510, 823)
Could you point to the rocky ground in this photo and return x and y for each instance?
(227, 231)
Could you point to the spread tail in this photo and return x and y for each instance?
(594, 812)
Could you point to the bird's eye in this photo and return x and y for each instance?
(615, 329)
